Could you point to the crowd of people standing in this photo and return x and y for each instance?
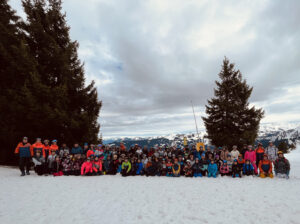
(171, 161)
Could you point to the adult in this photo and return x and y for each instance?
(76, 149)
(38, 146)
(25, 152)
(244, 150)
(265, 167)
(272, 151)
(54, 147)
(282, 166)
(234, 153)
(260, 152)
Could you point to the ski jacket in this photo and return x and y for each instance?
(50, 160)
(236, 168)
(203, 164)
(97, 166)
(77, 150)
(250, 155)
(24, 151)
(62, 151)
(265, 166)
(176, 168)
(139, 168)
(87, 167)
(67, 165)
(224, 169)
(212, 168)
(282, 165)
(54, 148)
(126, 166)
(248, 168)
(234, 154)
(272, 151)
(260, 151)
(89, 153)
(76, 165)
(38, 147)
(196, 167)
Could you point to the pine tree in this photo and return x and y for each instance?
(230, 121)
(68, 108)
(17, 75)
(283, 146)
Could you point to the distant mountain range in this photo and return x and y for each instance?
(268, 132)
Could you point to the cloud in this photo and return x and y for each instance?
(150, 58)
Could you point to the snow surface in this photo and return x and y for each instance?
(114, 199)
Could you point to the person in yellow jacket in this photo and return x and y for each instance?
(176, 168)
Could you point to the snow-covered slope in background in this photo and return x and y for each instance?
(114, 199)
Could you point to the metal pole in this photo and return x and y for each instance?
(195, 120)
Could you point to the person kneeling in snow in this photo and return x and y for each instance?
(176, 169)
(87, 167)
(97, 166)
(236, 170)
(212, 169)
(248, 168)
(224, 169)
(126, 167)
(282, 166)
(39, 163)
(265, 167)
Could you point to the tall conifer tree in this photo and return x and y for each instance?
(230, 121)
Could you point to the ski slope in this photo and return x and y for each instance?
(114, 199)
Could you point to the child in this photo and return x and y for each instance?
(169, 168)
(164, 168)
(248, 168)
(197, 168)
(251, 156)
(126, 167)
(56, 168)
(224, 169)
(229, 163)
(97, 166)
(236, 170)
(77, 162)
(139, 167)
(241, 162)
(212, 169)
(176, 169)
(133, 167)
(203, 165)
(265, 167)
(120, 161)
(282, 166)
(87, 167)
(39, 163)
(188, 168)
(106, 165)
(51, 159)
(67, 165)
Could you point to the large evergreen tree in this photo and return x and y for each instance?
(230, 121)
(68, 108)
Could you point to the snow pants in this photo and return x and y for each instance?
(264, 175)
(24, 162)
(214, 175)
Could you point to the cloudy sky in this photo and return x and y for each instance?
(151, 58)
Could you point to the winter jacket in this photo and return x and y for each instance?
(224, 169)
(113, 166)
(250, 155)
(241, 163)
(236, 169)
(126, 166)
(67, 165)
(265, 166)
(87, 167)
(38, 160)
(176, 168)
(77, 150)
(188, 170)
(282, 166)
(38, 147)
(139, 168)
(234, 154)
(260, 151)
(197, 167)
(248, 168)
(76, 164)
(97, 166)
(106, 164)
(50, 160)
(62, 151)
(24, 151)
(54, 148)
(272, 151)
(203, 164)
(89, 153)
(229, 163)
(212, 169)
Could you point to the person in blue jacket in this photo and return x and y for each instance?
(76, 149)
(212, 169)
(139, 167)
(25, 152)
(248, 168)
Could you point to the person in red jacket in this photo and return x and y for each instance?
(37, 146)
(265, 167)
(25, 152)
(87, 168)
(97, 166)
(260, 151)
(89, 153)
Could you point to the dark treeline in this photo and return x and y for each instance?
(42, 85)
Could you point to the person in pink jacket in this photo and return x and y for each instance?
(87, 168)
(251, 155)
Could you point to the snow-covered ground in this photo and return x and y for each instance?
(114, 199)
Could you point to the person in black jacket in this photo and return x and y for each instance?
(113, 165)
(196, 169)
(236, 170)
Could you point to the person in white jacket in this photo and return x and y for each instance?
(271, 151)
(39, 163)
(234, 153)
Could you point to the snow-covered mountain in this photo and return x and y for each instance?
(268, 132)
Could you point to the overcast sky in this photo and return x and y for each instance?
(151, 58)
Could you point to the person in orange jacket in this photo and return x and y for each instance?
(260, 151)
(37, 146)
(46, 151)
(54, 147)
(122, 147)
(265, 167)
(97, 166)
(25, 152)
(87, 167)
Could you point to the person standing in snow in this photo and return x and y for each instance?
(282, 166)
(260, 151)
(251, 156)
(244, 150)
(37, 146)
(25, 152)
(272, 151)
(234, 153)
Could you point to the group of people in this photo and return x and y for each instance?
(188, 161)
